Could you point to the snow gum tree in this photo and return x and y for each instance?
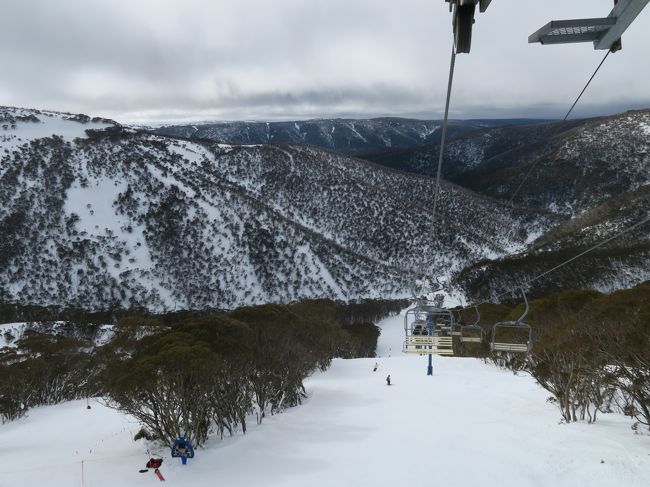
(167, 386)
(622, 331)
(187, 373)
(592, 351)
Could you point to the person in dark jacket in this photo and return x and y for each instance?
(388, 380)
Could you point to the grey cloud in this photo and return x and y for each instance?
(150, 60)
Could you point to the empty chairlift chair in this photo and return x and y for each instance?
(513, 336)
(472, 333)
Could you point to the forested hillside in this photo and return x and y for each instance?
(112, 217)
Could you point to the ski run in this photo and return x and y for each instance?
(471, 424)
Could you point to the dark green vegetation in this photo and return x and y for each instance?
(188, 374)
(591, 351)
(466, 151)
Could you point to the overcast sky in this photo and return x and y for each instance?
(182, 60)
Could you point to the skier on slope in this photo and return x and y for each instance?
(388, 380)
(375, 367)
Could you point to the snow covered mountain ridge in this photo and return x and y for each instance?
(349, 136)
(96, 215)
(572, 166)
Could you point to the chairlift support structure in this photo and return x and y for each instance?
(522, 343)
(463, 21)
(605, 32)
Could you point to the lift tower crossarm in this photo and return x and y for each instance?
(603, 32)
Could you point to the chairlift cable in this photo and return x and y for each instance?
(530, 170)
(587, 85)
(445, 126)
(443, 137)
(566, 262)
(591, 249)
(516, 347)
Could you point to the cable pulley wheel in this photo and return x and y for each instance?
(463, 23)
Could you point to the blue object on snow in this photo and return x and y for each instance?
(182, 449)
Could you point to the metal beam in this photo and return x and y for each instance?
(576, 30)
(603, 32)
(625, 12)
(570, 38)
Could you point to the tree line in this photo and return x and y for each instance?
(591, 351)
(190, 374)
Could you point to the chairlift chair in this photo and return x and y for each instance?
(522, 342)
(431, 336)
(514, 345)
(472, 333)
(444, 326)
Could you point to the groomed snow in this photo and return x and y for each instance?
(470, 424)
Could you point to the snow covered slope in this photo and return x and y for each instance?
(21, 126)
(576, 167)
(95, 215)
(469, 425)
(571, 166)
(116, 217)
